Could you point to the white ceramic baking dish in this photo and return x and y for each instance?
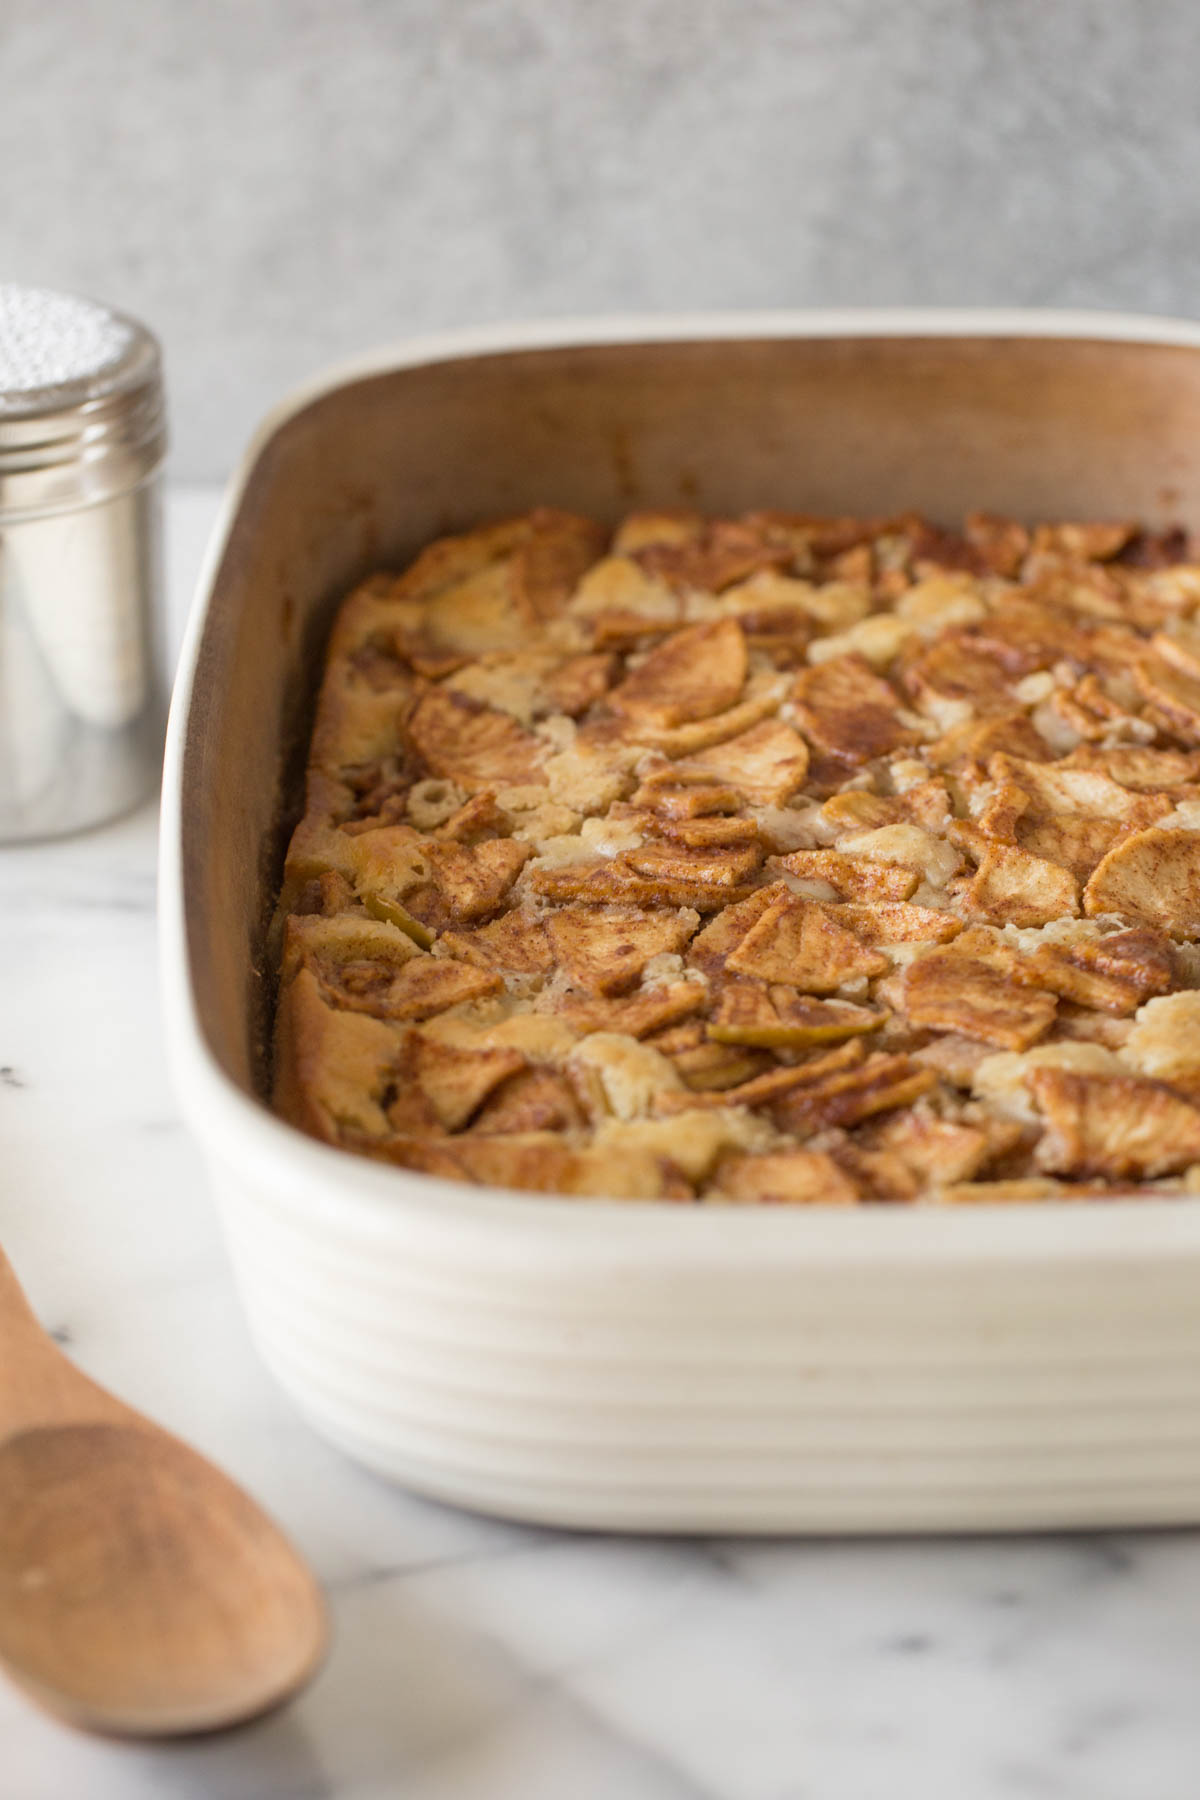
(650, 1365)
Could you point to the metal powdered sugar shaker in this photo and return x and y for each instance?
(82, 439)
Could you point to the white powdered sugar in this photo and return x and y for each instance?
(47, 339)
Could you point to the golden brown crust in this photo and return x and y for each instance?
(772, 860)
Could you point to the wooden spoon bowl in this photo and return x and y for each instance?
(142, 1592)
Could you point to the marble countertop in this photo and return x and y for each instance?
(475, 1660)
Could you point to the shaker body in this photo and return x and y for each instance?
(82, 683)
(82, 694)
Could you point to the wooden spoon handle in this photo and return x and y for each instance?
(17, 1322)
(38, 1386)
(10, 1288)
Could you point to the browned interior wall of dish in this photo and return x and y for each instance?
(363, 476)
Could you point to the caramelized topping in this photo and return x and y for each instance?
(470, 743)
(693, 675)
(847, 711)
(775, 860)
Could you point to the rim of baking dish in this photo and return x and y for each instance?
(333, 1187)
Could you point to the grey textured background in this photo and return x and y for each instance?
(274, 183)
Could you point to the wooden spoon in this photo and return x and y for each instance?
(142, 1593)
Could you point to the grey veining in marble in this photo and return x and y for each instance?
(475, 1660)
(277, 184)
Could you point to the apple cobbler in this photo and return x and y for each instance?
(770, 859)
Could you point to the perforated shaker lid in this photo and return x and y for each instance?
(81, 402)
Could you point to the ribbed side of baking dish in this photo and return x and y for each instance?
(496, 1363)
